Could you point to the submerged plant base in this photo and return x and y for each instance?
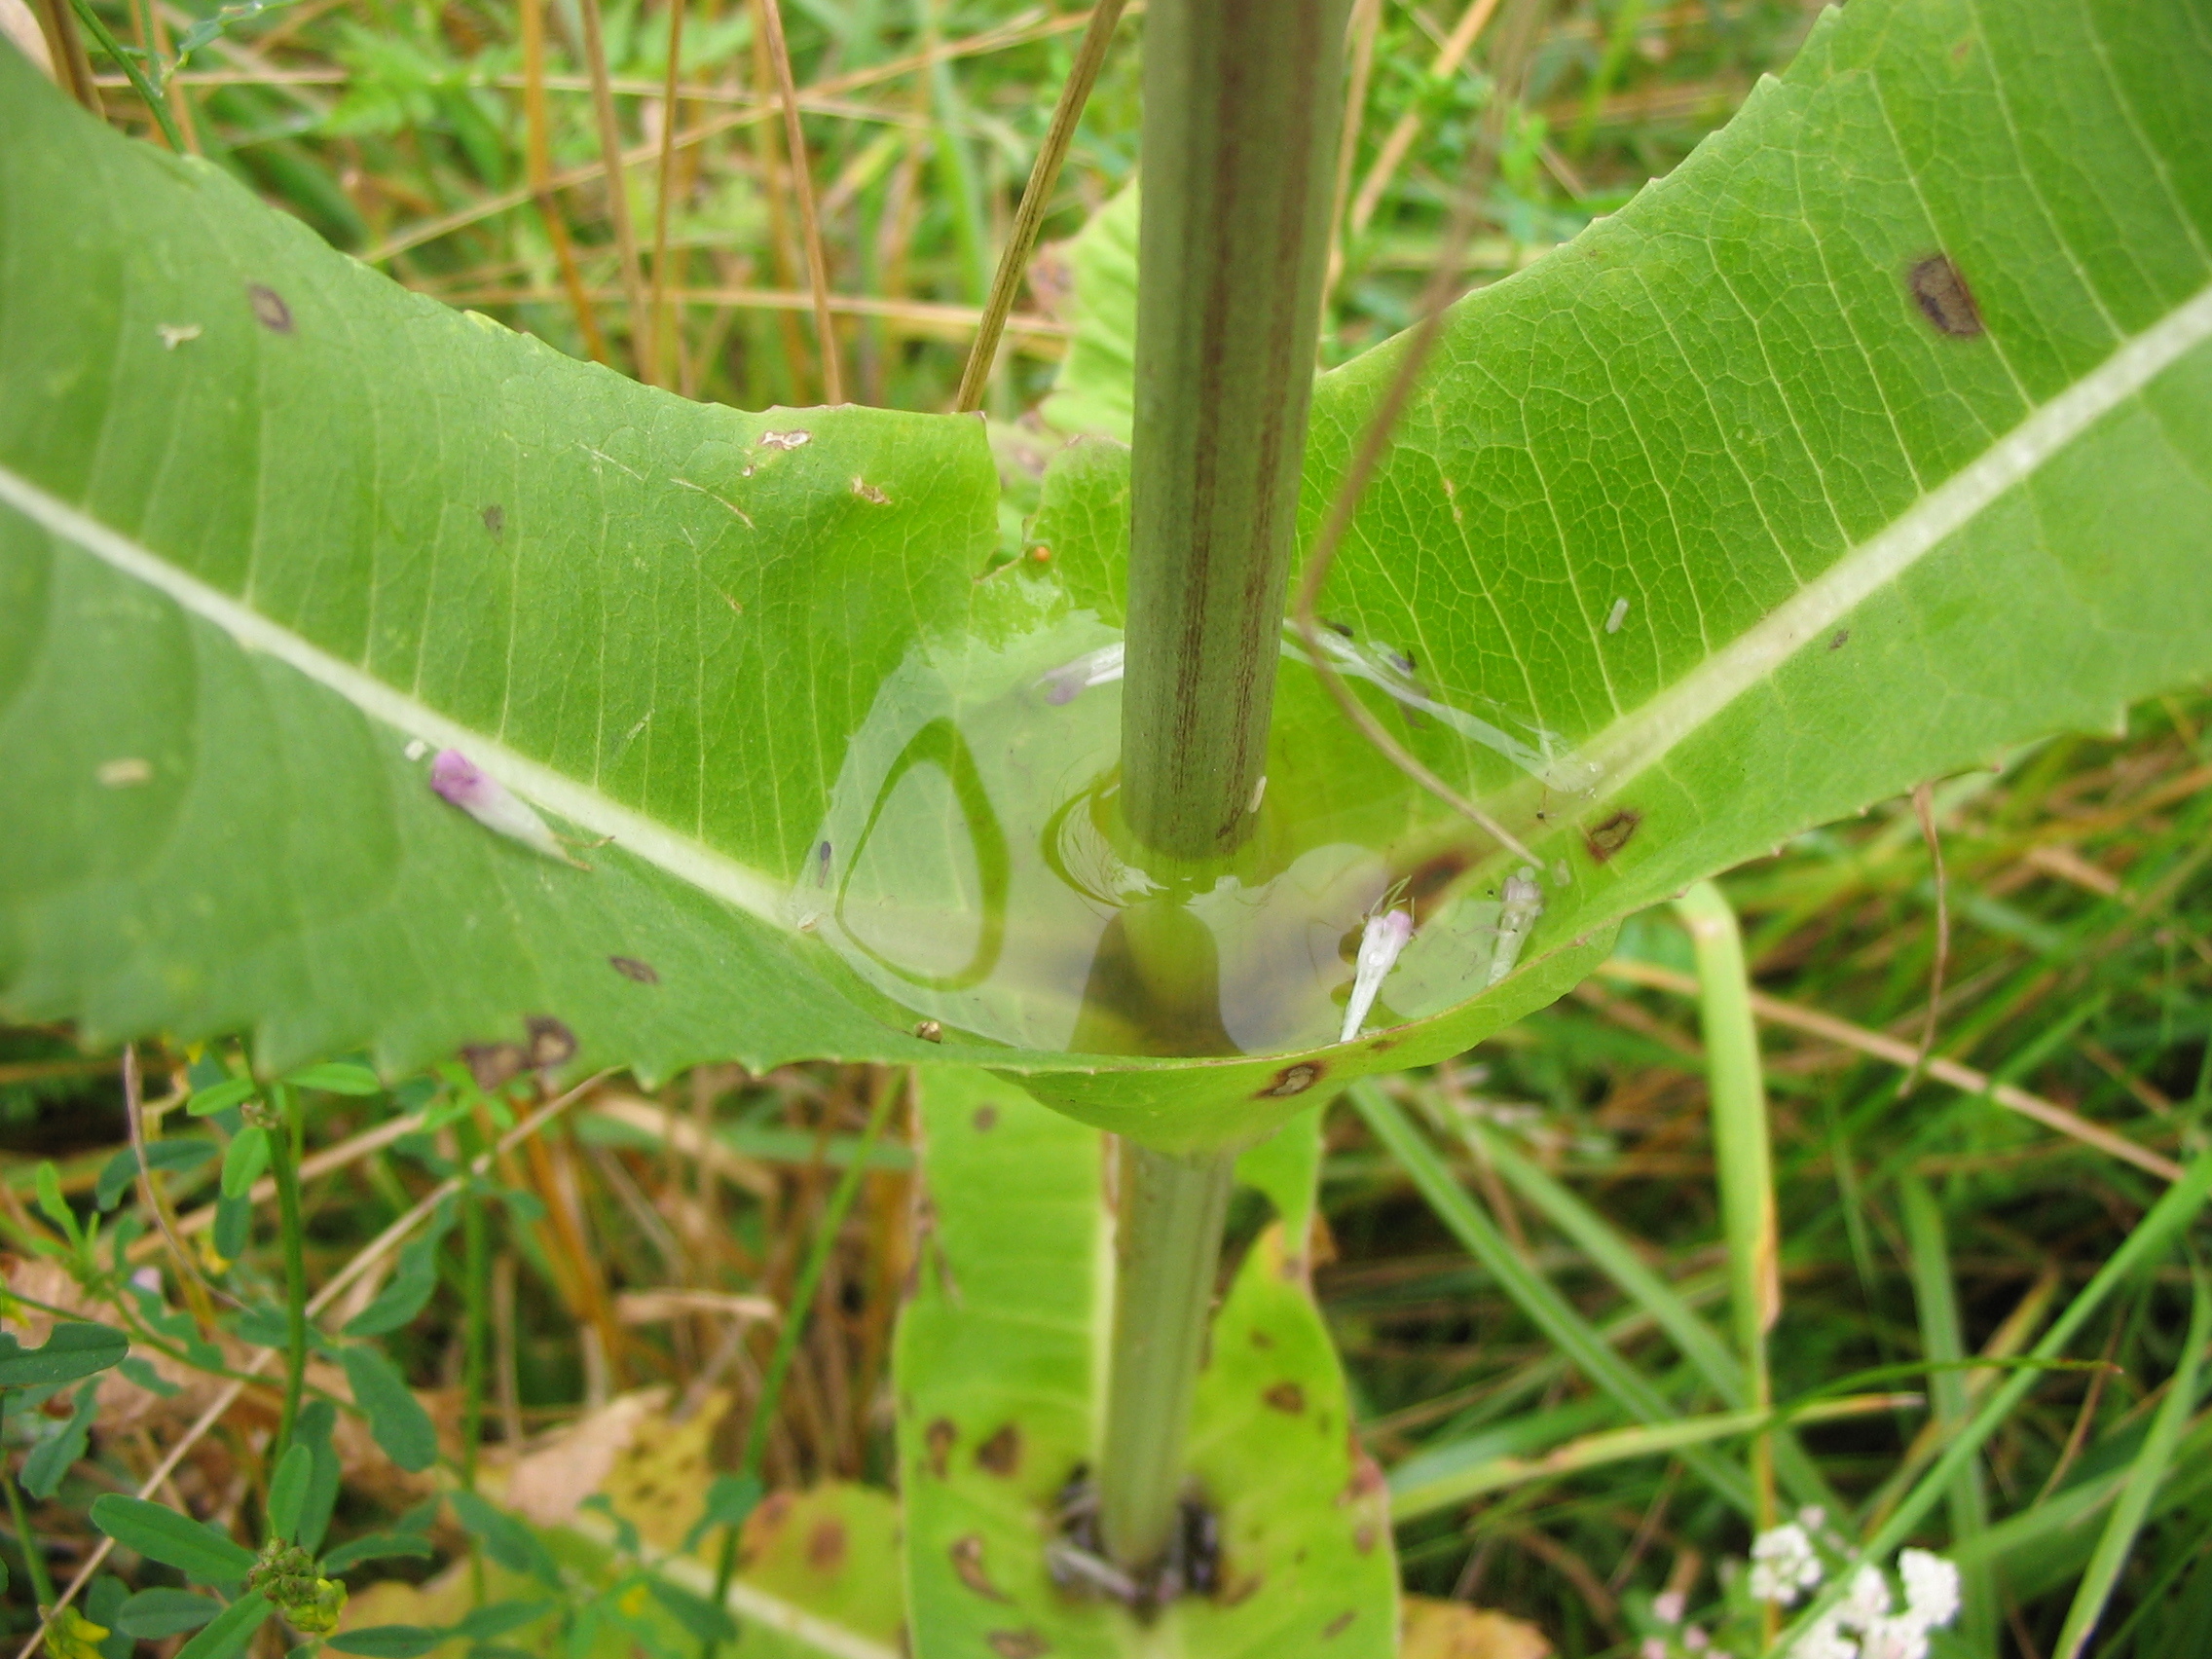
(972, 866)
(1080, 1566)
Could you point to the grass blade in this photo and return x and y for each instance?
(1535, 1295)
(2143, 1480)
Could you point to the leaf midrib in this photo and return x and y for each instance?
(701, 866)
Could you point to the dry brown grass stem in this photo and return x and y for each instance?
(1413, 356)
(613, 165)
(1366, 19)
(1020, 31)
(1924, 809)
(538, 169)
(363, 1261)
(663, 188)
(924, 316)
(1965, 1079)
(802, 190)
(1387, 159)
(1036, 198)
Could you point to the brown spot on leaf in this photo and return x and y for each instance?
(1001, 1455)
(1240, 1590)
(1364, 1536)
(1336, 1626)
(496, 519)
(1019, 1643)
(968, 1564)
(551, 1043)
(1292, 1079)
(1610, 836)
(1941, 290)
(269, 309)
(939, 1437)
(1286, 1397)
(492, 1064)
(1840, 639)
(630, 968)
(1261, 1339)
(826, 1545)
(986, 1119)
(1426, 880)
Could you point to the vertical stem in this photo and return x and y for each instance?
(1036, 198)
(663, 187)
(1167, 1247)
(803, 193)
(41, 1584)
(284, 1140)
(538, 152)
(1242, 99)
(476, 1274)
(797, 1317)
(1741, 1150)
(618, 193)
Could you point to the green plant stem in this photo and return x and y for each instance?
(1167, 1249)
(797, 1315)
(1742, 1153)
(41, 1584)
(476, 1273)
(284, 1140)
(155, 106)
(1242, 99)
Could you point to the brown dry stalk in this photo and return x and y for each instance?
(1963, 1078)
(1448, 56)
(613, 164)
(1421, 340)
(1022, 31)
(1924, 809)
(659, 332)
(802, 188)
(1036, 198)
(538, 169)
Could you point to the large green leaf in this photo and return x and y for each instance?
(1876, 439)
(1873, 439)
(997, 1364)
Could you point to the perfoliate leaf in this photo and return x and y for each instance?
(152, 1614)
(160, 1533)
(996, 1362)
(396, 1419)
(1871, 441)
(73, 1348)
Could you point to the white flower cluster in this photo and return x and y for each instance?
(1786, 1564)
(1865, 1625)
